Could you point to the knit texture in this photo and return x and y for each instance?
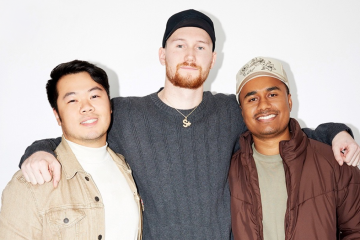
(181, 173)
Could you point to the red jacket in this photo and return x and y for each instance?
(323, 197)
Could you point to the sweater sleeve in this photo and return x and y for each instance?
(348, 202)
(47, 145)
(326, 132)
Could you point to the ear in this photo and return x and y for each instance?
(290, 101)
(213, 59)
(57, 117)
(162, 56)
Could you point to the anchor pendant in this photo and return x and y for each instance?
(186, 123)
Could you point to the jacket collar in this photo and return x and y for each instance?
(70, 165)
(289, 149)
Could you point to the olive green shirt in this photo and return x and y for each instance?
(273, 192)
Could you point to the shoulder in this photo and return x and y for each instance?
(322, 149)
(123, 103)
(18, 188)
(344, 174)
(221, 100)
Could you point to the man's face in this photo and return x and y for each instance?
(266, 107)
(84, 110)
(188, 57)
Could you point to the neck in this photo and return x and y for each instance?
(91, 143)
(180, 98)
(270, 145)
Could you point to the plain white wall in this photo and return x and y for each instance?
(317, 41)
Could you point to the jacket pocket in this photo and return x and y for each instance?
(65, 223)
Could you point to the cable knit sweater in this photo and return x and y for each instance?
(181, 173)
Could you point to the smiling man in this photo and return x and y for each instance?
(283, 184)
(96, 196)
(180, 139)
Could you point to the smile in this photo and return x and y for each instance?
(266, 117)
(89, 121)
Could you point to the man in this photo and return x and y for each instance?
(178, 141)
(96, 196)
(283, 184)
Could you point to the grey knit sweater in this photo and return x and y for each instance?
(181, 173)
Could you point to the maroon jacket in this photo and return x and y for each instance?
(323, 197)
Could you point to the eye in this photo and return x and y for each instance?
(272, 95)
(71, 101)
(179, 46)
(200, 48)
(252, 99)
(95, 96)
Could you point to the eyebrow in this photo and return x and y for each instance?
(268, 90)
(200, 41)
(73, 93)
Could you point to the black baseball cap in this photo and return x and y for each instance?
(189, 18)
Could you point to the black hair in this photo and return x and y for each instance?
(76, 66)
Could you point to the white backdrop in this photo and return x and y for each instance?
(317, 41)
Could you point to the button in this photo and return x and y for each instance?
(99, 237)
(97, 199)
(87, 179)
(66, 220)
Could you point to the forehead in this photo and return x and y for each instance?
(261, 84)
(75, 82)
(190, 33)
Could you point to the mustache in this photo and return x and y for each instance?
(186, 64)
(265, 112)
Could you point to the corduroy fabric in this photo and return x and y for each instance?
(181, 173)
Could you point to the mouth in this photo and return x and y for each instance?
(267, 117)
(89, 121)
(188, 66)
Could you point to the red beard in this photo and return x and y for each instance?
(187, 81)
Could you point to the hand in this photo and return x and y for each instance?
(41, 167)
(346, 149)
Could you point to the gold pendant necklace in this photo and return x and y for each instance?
(186, 122)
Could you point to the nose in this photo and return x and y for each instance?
(190, 55)
(264, 104)
(86, 107)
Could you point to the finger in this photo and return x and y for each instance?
(39, 178)
(25, 174)
(43, 167)
(46, 175)
(349, 154)
(32, 178)
(356, 158)
(338, 155)
(56, 172)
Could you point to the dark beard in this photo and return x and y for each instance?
(187, 81)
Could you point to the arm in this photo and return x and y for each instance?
(19, 219)
(39, 164)
(340, 137)
(348, 203)
(46, 145)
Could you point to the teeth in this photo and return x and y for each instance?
(90, 121)
(267, 117)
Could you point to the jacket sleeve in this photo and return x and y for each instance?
(348, 202)
(47, 145)
(326, 132)
(19, 219)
